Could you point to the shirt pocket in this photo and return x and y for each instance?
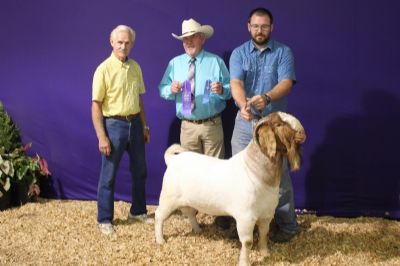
(250, 71)
(133, 80)
(269, 74)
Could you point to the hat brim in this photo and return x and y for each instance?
(206, 29)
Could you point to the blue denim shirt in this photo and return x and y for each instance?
(261, 71)
(208, 67)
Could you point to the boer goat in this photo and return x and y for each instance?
(245, 187)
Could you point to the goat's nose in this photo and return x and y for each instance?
(300, 136)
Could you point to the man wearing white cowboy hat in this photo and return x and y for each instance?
(199, 83)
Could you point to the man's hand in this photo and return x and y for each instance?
(176, 86)
(104, 145)
(258, 101)
(146, 134)
(245, 112)
(216, 87)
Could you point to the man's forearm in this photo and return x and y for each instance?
(97, 119)
(238, 92)
(142, 113)
(280, 90)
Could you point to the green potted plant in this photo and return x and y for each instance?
(19, 172)
(27, 171)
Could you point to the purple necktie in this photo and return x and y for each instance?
(191, 76)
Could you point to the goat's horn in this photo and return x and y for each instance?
(291, 120)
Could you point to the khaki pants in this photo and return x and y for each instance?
(205, 138)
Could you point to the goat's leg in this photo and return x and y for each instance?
(162, 213)
(191, 214)
(263, 227)
(245, 231)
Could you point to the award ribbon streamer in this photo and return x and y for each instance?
(186, 98)
(207, 89)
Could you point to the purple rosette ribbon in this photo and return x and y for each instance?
(207, 89)
(186, 98)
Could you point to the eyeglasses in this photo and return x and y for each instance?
(256, 27)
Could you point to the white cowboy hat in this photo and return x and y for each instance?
(191, 27)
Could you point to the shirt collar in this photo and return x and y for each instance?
(199, 57)
(269, 46)
(115, 61)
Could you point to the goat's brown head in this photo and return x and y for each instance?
(280, 133)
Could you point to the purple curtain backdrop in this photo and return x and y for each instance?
(347, 95)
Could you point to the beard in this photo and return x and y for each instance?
(260, 39)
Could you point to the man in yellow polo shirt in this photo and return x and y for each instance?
(120, 122)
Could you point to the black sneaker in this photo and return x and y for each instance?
(223, 222)
(232, 233)
(281, 236)
(273, 227)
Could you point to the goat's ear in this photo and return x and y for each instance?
(292, 140)
(266, 140)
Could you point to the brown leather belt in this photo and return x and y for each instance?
(124, 117)
(201, 121)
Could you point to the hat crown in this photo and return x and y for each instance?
(190, 25)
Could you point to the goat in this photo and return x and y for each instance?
(246, 186)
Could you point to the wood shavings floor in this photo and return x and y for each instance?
(65, 232)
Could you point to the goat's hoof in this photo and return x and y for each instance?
(197, 230)
(264, 253)
(160, 241)
(244, 263)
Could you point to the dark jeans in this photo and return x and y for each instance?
(124, 136)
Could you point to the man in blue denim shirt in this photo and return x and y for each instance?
(201, 127)
(262, 75)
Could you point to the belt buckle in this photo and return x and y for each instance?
(214, 118)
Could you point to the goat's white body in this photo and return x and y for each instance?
(217, 187)
(194, 181)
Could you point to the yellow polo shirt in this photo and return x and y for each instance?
(117, 85)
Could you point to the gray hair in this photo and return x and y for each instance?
(123, 28)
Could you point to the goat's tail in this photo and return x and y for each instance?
(172, 150)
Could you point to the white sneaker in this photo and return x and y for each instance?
(143, 218)
(106, 229)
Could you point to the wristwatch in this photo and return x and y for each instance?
(267, 98)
